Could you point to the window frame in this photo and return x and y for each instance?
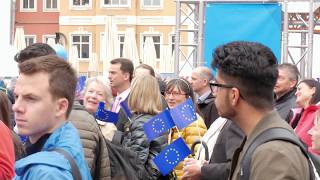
(90, 44)
(103, 5)
(47, 36)
(151, 7)
(34, 9)
(160, 43)
(33, 36)
(45, 9)
(119, 33)
(80, 7)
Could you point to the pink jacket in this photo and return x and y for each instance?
(305, 124)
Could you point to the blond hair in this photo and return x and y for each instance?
(106, 89)
(145, 97)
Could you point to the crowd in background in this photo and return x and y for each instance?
(48, 134)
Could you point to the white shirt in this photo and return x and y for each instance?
(210, 137)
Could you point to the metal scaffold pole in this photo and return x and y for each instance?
(310, 39)
(285, 32)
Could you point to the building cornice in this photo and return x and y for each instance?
(120, 20)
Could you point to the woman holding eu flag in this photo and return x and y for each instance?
(144, 102)
(177, 91)
(96, 91)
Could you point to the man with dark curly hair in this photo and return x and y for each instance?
(246, 75)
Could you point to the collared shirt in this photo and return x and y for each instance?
(122, 97)
(204, 96)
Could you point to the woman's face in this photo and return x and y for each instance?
(93, 95)
(315, 134)
(304, 94)
(174, 97)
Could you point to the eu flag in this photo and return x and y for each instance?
(80, 84)
(170, 156)
(184, 114)
(126, 109)
(106, 116)
(157, 125)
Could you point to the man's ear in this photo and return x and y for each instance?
(293, 83)
(62, 105)
(126, 76)
(235, 96)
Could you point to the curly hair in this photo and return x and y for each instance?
(249, 66)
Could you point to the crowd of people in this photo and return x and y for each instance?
(48, 134)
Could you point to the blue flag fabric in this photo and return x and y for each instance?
(126, 109)
(106, 116)
(170, 156)
(157, 125)
(80, 84)
(184, 114)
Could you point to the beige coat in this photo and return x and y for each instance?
(276, 160)
(93, 142)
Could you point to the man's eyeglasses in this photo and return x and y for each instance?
(174, 94)
(214, 86)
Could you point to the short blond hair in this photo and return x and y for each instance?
(106, 88)
(145, 96)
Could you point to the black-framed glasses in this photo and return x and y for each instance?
(214, 87)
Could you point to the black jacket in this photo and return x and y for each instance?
(285, 103)
(228, 141)
(208, 110)
(135, 140)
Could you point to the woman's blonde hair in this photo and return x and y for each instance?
(145, 97)
(106, 88)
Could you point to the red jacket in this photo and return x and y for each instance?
(6, 153)
(305, 123)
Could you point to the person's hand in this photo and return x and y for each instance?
(192, 169)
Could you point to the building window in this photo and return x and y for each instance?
(121, 45)
(28, 5)
(30, 39)
(48, 38)
(116, 3)
(81, 2)
(51, 5)
(156, 41)
(82, 42)
(151, 3)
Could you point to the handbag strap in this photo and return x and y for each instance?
(74, 168)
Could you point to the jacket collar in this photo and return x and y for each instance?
(286, 96)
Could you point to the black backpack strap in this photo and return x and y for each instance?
(74, 168)
(272, 134)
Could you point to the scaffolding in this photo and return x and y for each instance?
(192, 12)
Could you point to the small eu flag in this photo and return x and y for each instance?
(126, 109)
(80, 84)
(170, 156)
(157, 125)
(106, 116)
(184, 114)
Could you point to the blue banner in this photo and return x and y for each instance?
(242, 22)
